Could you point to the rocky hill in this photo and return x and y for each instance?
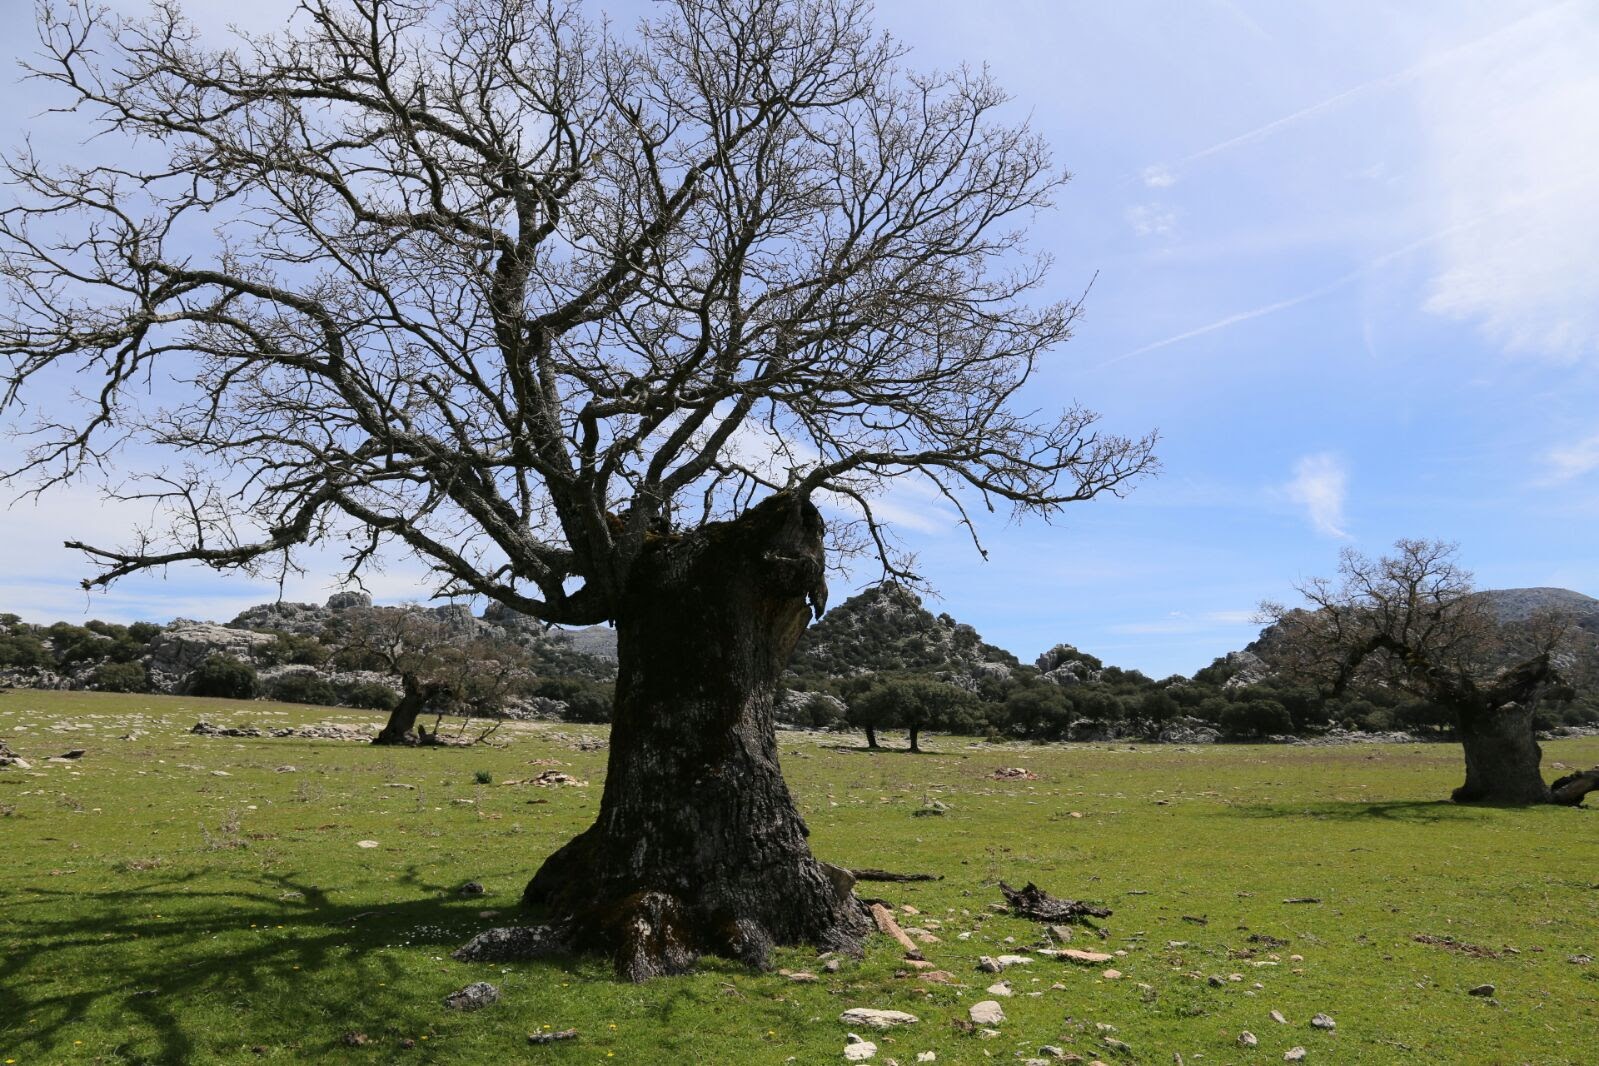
(886, 629)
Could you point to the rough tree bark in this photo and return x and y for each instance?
(871, 737)
(698, 848)
(915, 732)
(1502, 757)
(401, 726)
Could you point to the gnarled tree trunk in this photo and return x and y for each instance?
(1502, 756)
(401, 726)
(698, 848)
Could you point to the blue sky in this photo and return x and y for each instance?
(1345, 259)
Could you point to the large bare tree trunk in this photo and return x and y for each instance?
(401, 726)
(1502, 757)
(698, 848)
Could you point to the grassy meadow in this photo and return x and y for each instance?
(179, 899)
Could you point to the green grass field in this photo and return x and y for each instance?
(170, 898)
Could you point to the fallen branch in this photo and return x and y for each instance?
(1571, 789)
(888, 926)
(871, 874)
(1033, 902)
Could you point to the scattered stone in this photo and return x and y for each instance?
(832, 966)
(1247, 1039)
(927, 1056)
(474, 996)
(989, 964)
(366, 843)
(1322, 1021)
(1112, 975)
(1580, 960)
(400, 784)
(353, 1038)
(1277, 1016)
(1449, 943)
(1481, 990)
(801, 976)
(938, 977)
(555, 778)
(1117, 1045)
(286, 769)
(858, 1050)
(471, 888)
(1050, 1051)
(988, 1012)
(1013, 773)
(1086, 958)
(999, 988)
(877, 1019)
(1303, 899)
(513, 943)
(1295, 1054)
(552, 1037)
(220, 773)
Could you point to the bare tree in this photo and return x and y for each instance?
(1411, 619)
(437, 667)
(589, 324)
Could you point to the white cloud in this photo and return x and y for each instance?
(1158, 177)
(1152, 220)
(1512, 159)
(1573, 460)
(1321, 485)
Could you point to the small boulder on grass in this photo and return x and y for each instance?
(474, 996)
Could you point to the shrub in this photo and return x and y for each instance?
(302, 686)
(585, 701)
(120, 677)
(1256, 718)
(224, 676)
(483, 777)
(369, 695)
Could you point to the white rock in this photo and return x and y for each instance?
(1321, 1021)
(366, 843)
(1248, 1039)
(1295, 1054)
(877, 1019)
(860, 1051)
(927, 1056)
(999, 988)
(1277, 1016)
(988, 1012)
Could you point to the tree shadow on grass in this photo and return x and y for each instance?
(70, 954)
(1414, 811)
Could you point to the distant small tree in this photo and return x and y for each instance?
(1255, 717)
(120, 677)
(912, 704)
(223, 676)
(1411, 620)
(436, 667)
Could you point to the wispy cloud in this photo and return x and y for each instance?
(1321, 485)
(1573, 460)
(1514, 118)
(1158, 177)
(1152, 220)
(1186, 622)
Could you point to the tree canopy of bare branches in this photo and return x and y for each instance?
(1412, 619)
(486, 280)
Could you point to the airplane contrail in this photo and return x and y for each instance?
(1413, 71)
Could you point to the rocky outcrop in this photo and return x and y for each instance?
(185, 644)
(887, 629)
(1065, 665)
